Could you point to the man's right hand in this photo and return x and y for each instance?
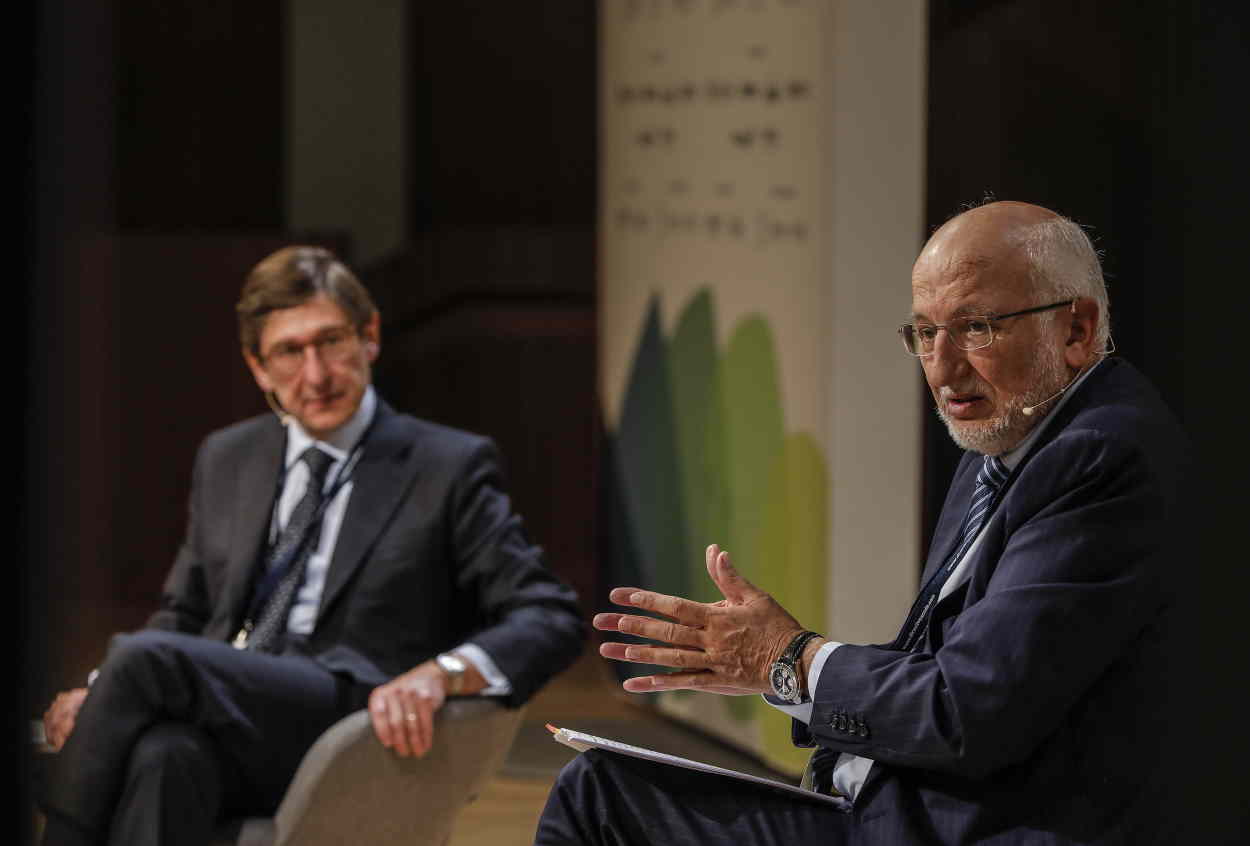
(58, 720)
(725, 647)
(403, 709)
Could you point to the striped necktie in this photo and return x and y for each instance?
(298, 539)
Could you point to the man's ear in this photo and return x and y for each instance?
(371, 334)
(1081, 321)
(258, 372)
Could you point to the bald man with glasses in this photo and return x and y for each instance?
(1030, 692)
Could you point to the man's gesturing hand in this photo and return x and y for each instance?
(403, 709)
(723, 647)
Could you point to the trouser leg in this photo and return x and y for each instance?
(173, 788)
(258, 712)
(616, 800)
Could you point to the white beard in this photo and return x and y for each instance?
(1003, 432)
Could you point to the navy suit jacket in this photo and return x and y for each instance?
(1040, 706)
(429, 556)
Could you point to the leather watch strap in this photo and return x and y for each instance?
(784, 674)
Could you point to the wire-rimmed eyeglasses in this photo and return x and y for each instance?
(972, 332)
(334, 346)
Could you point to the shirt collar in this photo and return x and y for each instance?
(1014, 456)
(339, 443)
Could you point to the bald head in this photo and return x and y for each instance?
(1031, 279)
(1025, 248)
(992, 238)
(994, 229)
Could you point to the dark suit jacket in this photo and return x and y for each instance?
(429, 555)
(1038, 708)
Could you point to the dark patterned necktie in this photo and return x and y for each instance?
(296, 539)
(990, 479)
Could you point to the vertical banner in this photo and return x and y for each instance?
(717, 300)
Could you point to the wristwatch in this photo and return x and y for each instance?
(784, 674)
(454, 666)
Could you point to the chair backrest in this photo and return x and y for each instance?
(349, 789)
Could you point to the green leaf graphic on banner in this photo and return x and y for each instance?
(700, 421)
(793, 547)
(701, 455)
(646, 449)
(755, 431)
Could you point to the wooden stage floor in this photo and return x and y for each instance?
(587, 697)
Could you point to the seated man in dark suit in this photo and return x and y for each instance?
(1026, 696)
(338, 556)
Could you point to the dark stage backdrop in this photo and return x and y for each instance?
(1127, 115)
(1085, 108)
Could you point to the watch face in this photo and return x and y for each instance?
(452, 664)
(785, 683)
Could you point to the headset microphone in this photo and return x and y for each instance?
(285, 418)
(1029, 409)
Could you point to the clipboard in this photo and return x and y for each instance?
(581, 742)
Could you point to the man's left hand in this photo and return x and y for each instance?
(723, 647)
(403, 709)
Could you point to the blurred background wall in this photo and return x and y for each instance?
(450, 153)
(446, 152)
(761, 200)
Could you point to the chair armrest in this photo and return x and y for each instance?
(349, 789)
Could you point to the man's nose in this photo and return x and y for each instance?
(314, 366)
(947, 363)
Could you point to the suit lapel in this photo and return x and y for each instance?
(381, 480)
(257, 483)
(945, 536)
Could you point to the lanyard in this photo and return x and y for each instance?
(277, 569)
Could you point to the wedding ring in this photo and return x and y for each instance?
(412, 718)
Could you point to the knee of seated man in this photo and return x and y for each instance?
(170, 743)
(135, 656)
(596, 772)
(579, 766)
(590, 767)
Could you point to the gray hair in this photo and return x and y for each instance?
(1063, 264)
